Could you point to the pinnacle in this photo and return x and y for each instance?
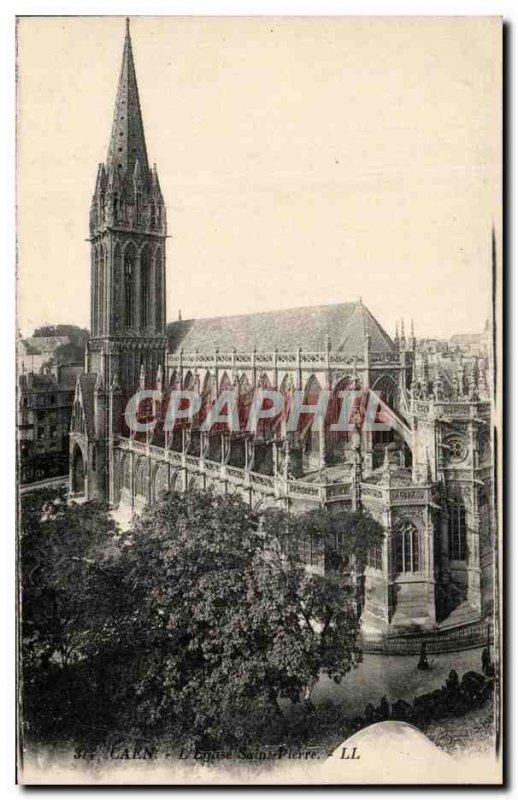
(127, 143)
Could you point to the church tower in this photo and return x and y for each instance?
(127, 236)
(127, 297)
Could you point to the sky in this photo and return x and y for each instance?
(302, 161)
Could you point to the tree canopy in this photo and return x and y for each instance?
(202, 619)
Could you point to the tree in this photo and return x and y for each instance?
(71, 352)
(203, 621)
(66, 605)
(225, 625)
(62, 546)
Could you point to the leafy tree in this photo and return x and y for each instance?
(66, 606)
(226, 625)
(61, 547)
(71, 352)
(202, 621)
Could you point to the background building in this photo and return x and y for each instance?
(47, 368)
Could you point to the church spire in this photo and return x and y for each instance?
(127, 143)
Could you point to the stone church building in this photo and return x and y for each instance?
(428, 479)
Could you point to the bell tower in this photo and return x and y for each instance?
(127, 237)
(126, 349)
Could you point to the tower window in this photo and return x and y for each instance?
(456, 530)
(144, 287)
(407, 557)
(375, 556)
(128, 288)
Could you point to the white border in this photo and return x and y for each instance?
(8, 11)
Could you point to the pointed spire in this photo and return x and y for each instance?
(99, 383)
(455, 386)
(127, 143)
(473, 384)
(402, 336)
(179, 315)
(100, 183)
(413, 380)
(115, 386)
(137, 175)
(154, 181)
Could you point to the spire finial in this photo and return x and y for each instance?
(127, 141)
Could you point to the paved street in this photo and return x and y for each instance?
(394, 676)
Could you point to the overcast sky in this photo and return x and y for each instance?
(302, 161)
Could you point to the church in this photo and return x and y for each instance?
(428, 478)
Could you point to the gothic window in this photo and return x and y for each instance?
(456, 530)
(97, 291)
(138, 478)
(126, 474)
(484, 512)
(145, 287)
(189, 381)
(407, 557)
(375, 556)
(141, 479)
(159, 288)
(101, 291)
(311, 437)
(386, 389)
(129, 279)
(118, 282)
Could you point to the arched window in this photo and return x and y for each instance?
(484, 513)
(118, 282)
(145, 287)
(159, 289)
(129, 279)
(126, 473)
(101, 291)
(407, 557)
(375, 556)
(94, 290)
(456, 530)
(310, 436)
(387, 390)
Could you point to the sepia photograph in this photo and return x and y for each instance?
(259, 400)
